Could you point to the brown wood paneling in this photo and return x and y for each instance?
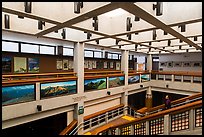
(47, 63)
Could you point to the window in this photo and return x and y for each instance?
(115, 56)
(88, 53)
(97, 54)
(10, 46)
(110, 56)
(68, 51)
(47, 50)
(28, 48)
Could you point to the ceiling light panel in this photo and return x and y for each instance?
(24, 25)
(53, 10)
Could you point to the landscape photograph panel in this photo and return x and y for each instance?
(6, 64)
(145, 77)
(133, 79)
(33, 64)
(57, 88)
(17, 94)
(116, 81)
(91, 84)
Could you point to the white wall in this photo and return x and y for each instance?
(182, 57)
(100, 106)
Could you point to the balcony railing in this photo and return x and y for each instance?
(165, 122)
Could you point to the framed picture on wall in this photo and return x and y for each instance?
(105, 64)
(163, 64)
(71, 65)
(196, 64)
(20, 65)
(65, 64)
(33, 64)
(93, 64)
(59, 64)
(169, 64)
(177, 64)
(85, 64)
(117, 65)
(89, 64)
(186, 64)
(6, 64)
(111, 65)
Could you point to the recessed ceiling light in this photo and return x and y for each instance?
(116, 12)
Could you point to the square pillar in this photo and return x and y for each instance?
(79, 70)
(79, 66)
(149, 62)
(124, 68)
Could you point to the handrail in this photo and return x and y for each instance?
(102, 76)
(137, 73)
(69, 127)
(37, 74)
(26, 81)
(162, 113)
(184, 73)
(155, 109)
(102, 72)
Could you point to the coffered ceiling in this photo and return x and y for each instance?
(146, 27)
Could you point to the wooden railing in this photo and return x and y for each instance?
(34, 80)
(69, 128)
(106, 72)
(181, 100)
(182, 73)
(37, 75)
(146, 120)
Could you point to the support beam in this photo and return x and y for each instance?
(137, 11)
(83, 17)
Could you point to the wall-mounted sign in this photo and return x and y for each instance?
(81, 110)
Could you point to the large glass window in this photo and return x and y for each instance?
(110, 56)
(68, 51)
(47, 50)
(115, 56)
(10, 46)
(28, 48)
(88, 53)
(97, 54)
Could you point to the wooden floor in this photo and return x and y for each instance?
(118, 121)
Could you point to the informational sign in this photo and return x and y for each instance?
(81, 110)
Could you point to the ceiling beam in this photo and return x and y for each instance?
(158, 40)
(79, 18)
(148, 29)
(137, 11)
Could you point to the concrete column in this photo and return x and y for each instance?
(149, 62)
(79, 66)
(70, 117)
(191, 120)
(79, 69)
(124, 68)
(148, 99)
(132, 130)
(124, 65)
(172, 78)
(147, 128)
(37, 91)
(166, 124)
